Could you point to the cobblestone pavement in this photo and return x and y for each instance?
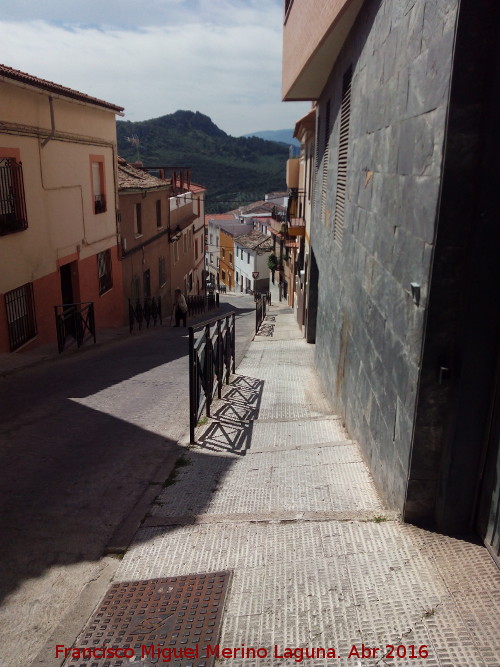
(276, 491)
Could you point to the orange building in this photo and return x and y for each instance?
(58, 241)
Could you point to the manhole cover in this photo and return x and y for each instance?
(175, 621)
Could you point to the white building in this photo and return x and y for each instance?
(252, 251)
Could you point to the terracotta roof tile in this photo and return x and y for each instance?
(255, 240)
(132, 178)
(51, 87)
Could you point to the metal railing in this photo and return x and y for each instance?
(211, 361)
(149, 309)
(262, 300)
(196, 303)
(75, 322)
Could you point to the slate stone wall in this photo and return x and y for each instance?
(370, 326)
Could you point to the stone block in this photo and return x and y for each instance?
(422, 194)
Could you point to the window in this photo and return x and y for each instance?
(13, 216)
(158, 213)
(223, 273)
(345, 112)
(248, 257)
(21, 320)
(138, 219)
(98, 183)
(231, 258)
(211, 258)
(223, 253)
(104, 271)
(161, 271)
(176, 252)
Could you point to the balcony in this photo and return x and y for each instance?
(293, 223)
(179, 178)
(309, 56)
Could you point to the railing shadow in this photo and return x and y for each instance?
(231, 424)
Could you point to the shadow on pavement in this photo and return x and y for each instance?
(230, 429)
(81, 440)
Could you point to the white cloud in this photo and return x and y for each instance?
(221, 58)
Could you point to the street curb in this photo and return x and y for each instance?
(71, 625)
(126, 530)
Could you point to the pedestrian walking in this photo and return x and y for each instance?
(180, 308)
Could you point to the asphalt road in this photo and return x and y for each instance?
(81, 439)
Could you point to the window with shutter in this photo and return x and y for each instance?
(326, 156)
(345, 113)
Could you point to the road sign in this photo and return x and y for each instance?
(255, 274)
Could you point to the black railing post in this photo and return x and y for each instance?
(229, 345)
(233, 341)
(60, 331)
(92, 319)
(193, 408)
(209, 369)
(220, 360)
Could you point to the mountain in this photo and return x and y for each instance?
(235, 170)
(283, 136)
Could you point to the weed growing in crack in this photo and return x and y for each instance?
(180, 463)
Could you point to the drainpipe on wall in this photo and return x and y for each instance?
(52, 123)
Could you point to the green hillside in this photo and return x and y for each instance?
(233, 169)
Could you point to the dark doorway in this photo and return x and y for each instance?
(312, 299)
(488, 520)
(66, 284)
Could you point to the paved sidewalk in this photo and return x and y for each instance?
(286, 502)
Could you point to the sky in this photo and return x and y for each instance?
(153, 57)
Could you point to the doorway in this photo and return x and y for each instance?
(66, 284)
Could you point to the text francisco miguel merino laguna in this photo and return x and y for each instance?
(167, 654)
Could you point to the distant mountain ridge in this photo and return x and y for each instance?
(282, 136)
(235, 170)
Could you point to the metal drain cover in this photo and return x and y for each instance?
(174, 620)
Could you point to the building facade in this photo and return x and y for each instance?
(402, 261)
(144, 202)
(221, 232)
(187, 229)
(58, 239)
(252, 251)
